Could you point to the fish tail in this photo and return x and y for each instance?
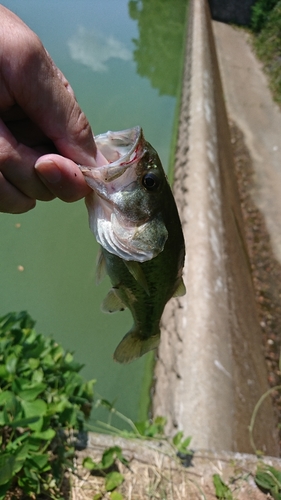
(132, 346)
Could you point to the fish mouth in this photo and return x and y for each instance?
(122, 150)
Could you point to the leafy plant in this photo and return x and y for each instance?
(267, 45)
(43, 399)
(113, 478)
(260, 13)
(269, 480)
(223, 492)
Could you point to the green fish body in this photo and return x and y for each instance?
(134, 217)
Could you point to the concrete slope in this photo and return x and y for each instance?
(211, 371)
(249, 103)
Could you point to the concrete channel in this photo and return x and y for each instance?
(210, 371)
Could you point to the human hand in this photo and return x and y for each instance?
(43, 132)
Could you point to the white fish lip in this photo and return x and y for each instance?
(121, 149)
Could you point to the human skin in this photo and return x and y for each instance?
(43, 132)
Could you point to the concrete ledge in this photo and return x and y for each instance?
(211, 370)
(154, 470)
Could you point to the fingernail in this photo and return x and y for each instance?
(49, 171)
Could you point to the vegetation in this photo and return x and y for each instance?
(43, 400)
(266, 24)
(260, 13)
(44, 403)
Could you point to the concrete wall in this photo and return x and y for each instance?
(232, 11)
(211, 371)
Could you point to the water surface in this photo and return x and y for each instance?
(47, 256)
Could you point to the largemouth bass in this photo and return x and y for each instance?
(133, 214)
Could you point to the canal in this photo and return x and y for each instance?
(123, 60)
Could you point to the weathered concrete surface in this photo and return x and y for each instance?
(211, 371)
(154, 472)
(249, 103)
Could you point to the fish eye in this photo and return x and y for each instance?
(151, 181)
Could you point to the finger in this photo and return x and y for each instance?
(62, 177)
(47, 98)
(12, 200)
(17, 167)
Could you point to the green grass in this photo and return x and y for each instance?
(267, 43)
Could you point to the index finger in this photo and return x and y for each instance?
(36, 84)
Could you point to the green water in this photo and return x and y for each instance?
(123, 61)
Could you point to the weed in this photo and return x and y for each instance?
(267, 43)
(43, 399)
(223, 492)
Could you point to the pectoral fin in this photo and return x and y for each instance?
(136, 271)
(101, 267)
(132, 346)
(112, 302)
(180, 289)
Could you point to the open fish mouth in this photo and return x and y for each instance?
(121, 150)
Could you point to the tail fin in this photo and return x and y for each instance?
(132, 346)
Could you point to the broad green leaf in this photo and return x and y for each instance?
(13, 407)
(58, 407)
(177, 438)
(11, 464)
(113, 480)
(115, 495)
(39, 461)
(89, 464)
(45, 435)
(11, 363)
(264, 480)
(186, 442)
(37, 375)
(222, 490)
(68, 357)
(20, 457)
(24, 422)
(3, 372)
(37, 424)
(33, 363)
(32, 392)
(6, 468)
(98, 496)
(5, 397)
(34, 408)
(109, 456)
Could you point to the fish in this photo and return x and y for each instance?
(134, 217)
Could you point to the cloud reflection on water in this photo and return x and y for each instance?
(94, 49)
